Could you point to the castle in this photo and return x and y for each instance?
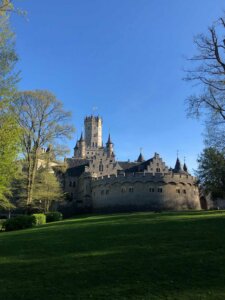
(96, 181)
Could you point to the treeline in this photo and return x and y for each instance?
(30, 121)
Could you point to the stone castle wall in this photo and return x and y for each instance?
(145, 191)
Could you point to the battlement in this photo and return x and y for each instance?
(145, 176)
(93, 118)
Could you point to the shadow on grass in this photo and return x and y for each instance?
(123, 256)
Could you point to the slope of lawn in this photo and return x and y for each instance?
(120, 256)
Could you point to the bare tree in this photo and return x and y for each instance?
(209, 72)
(43, 121)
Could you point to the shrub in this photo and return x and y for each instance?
(20, 222)
(40, 219)
(53, 216)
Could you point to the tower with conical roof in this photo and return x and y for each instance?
(178, 168)
(140, 158)
(109, 147)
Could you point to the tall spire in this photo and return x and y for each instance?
(109, 140)
(81, 137)
(185, 166)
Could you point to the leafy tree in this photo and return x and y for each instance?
(43, 121)
(47, 189)
(9, 131)
(9, 144)
(209, 72)
(5, 6)
(211, 172)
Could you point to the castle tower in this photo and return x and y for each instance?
(93, 132)
(82, 147)
(109, 147)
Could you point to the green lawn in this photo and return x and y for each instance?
(120, 256)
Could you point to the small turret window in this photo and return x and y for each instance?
(131, 189)
(178, 191)
(158, 170)
(159, 190)
(184, 191)
(151, 190)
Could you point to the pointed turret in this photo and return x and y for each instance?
(109, 140)
(140, 158)
(109, 147)
(76, 150)
(82, 146)
(178, 167)
(185, 168)
(81, 137)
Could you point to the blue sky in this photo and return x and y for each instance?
(125, 57)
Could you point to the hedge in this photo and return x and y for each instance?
(40, 219)
(20, 222)
(53, 216)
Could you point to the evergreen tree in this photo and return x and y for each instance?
(211, 172)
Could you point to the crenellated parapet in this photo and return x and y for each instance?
(171, 178)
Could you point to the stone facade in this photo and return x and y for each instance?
(95, 181)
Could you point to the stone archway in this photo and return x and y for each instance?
(203, 203)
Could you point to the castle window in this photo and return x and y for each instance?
(178, 191)
(70, 184)
(131, 189)
(71, 195)
(184, 191)
(79, 201)
(157, 164)
(151, 190)
(101, 167)
(102, 192)
(159, 190)
(107, 192)
(74, 184)
(158, 170)
(123, 190)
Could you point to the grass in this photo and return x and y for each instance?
(120, 256)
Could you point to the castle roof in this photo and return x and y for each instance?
(140, 158)
(126, 164)
(81, 137)
(109, 140)
(178, 168)
(76, 171)
(185, 168)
